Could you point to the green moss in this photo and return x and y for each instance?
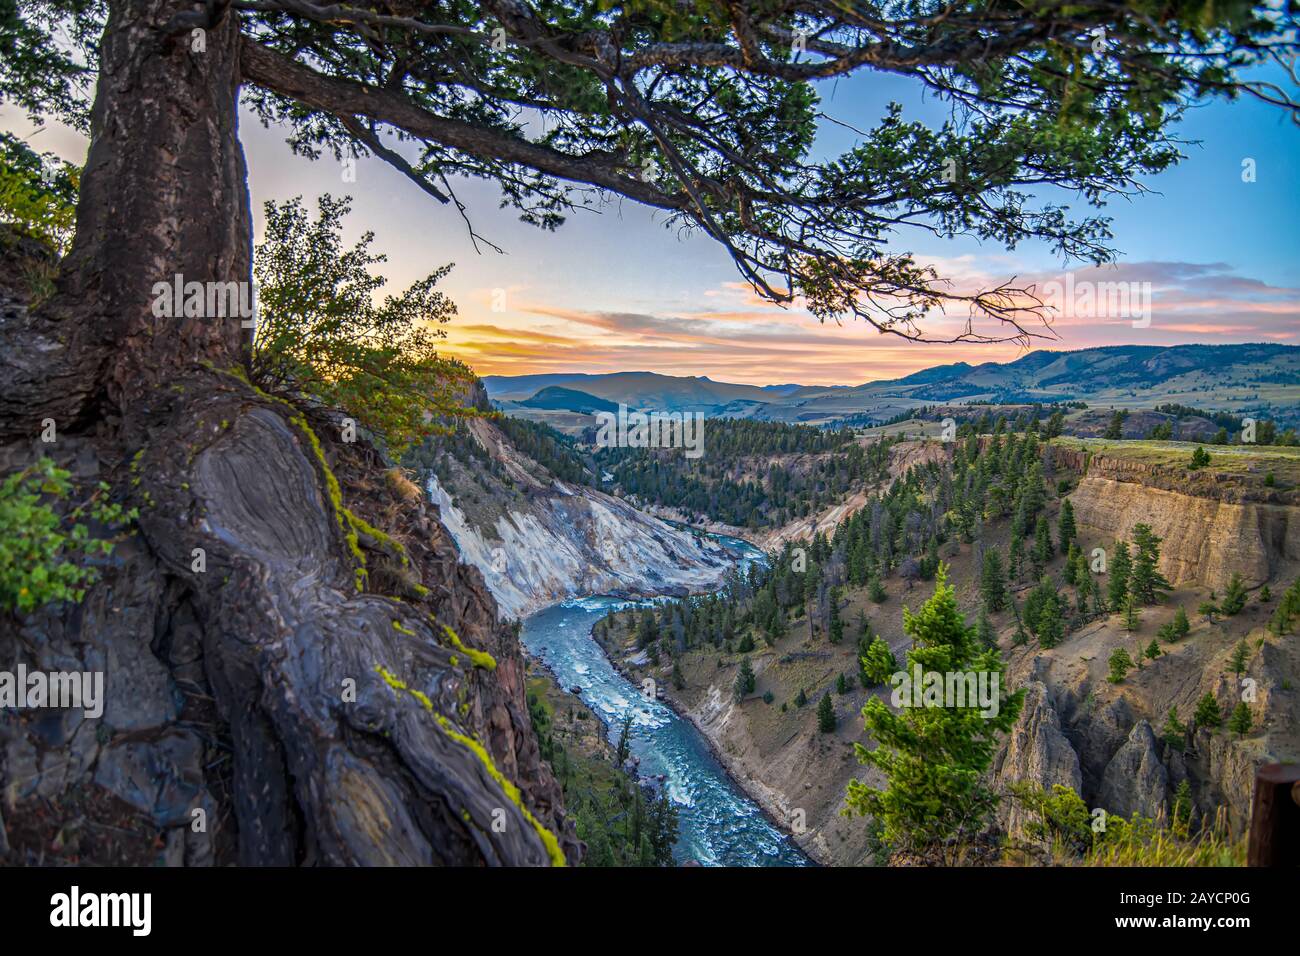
(397, 626)
(547, 837)
(480, 658)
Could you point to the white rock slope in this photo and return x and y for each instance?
(576, 541)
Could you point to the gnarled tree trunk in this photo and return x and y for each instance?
(265, 702)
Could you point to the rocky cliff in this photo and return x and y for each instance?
(538, 540)
(1213, 524)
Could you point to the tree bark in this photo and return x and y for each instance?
(252, 670)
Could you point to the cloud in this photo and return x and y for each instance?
(737, 336)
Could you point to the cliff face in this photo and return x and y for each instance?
(1213, 523)
(541, 540)
(1205, 541)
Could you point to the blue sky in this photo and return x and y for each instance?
(615, 291)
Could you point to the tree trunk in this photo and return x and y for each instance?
(264, 702)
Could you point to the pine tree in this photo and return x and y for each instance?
(801, 698)
(1066, 531)
(1145, 580)
(1240, 722)
(745, 680)
(826, 721)
(679, 679)
(841, 684)
(875, 590)
(1207, 713)
(1051, 626)
(1234, 598)
(1174, 731)
(1120, 569)
(1120, 664)
(1240, 654)
(1042, 544)
(1152, 650)
(993, 582)
(878, 664)
(1132, 618)
(934, 759)
(835, 630)
(1115, 430)
(1181, 625)
(1200, 459)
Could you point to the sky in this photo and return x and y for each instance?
(614, 290)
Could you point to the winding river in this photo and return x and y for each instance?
(718, 825)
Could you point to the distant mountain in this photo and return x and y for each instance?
(568, 399)
(1244, 379)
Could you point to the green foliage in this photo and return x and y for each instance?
(43, 550)
(1234, 598)
(800, 698)
(745, 680)
(1058, 818)
(1120, 665)
(321, 332)
(1200, 459)
(38, 194)
(1240, 655)
(1132, 616)
(1121, 566)
(1288, 608)
(878, 663)
(1115, 429)
(1146, 583)
(841, 684)
(1207, 713)
(993, 582)
(1174, 731)
(1240, 722)
(933, 758)
(826, 722)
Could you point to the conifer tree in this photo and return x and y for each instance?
(1145, 580)
(1240, 722)
(1042, 544)
(800, 698)
(1234, 598)
(993, 582)
(1120, 664)
(1066, 530)
(1207, 713)
(826, 721)
(1121, 566)
(1152, 650)
(1051, 626)
(934, 759)
(745, 680)
(1174, 731)
(1240, 654)
(1132, 617)
(878, 664)
(841, 684)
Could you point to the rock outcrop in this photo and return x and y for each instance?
(1136, 780)
(1036, 751)
(557, 540)
(1205, 540)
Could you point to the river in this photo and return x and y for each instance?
(718, 825)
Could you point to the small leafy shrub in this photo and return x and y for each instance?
(41, 550)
